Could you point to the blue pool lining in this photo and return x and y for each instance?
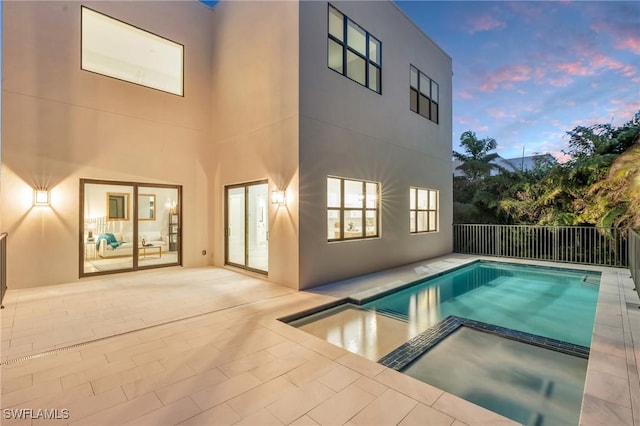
(408, 352)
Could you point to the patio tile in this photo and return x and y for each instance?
(219, 415)
(11, 399)
(373, 387)
(119, 378)
(190, 385)
(597, 412)
(246, 363)
(361, 365)
(156, 381)
(12, 384)
(279, 366)
(122, 413)
(260, 396)
(310, 370)
(422, 415)
(260, 418)
(388, 409)
(304, 421)
(168, 415)
(609, 364)
(342, 406)
(339, 378)
(608, 388)
(294, 404)
(224, 391)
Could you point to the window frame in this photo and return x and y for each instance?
(370, 64)
(115, 75)
(363, 209)
(415, 209)
(432, 105)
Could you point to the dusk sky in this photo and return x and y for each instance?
(525, 72)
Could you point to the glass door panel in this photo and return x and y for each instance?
(257, 232)
(236, 226)
(107, 228)
(158, 226)
(247, 226)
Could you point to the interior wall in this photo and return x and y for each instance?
(61, 124)
(255, 119)
(349, 131)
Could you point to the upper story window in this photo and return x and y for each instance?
(424, 95)
(353, 52)
(115, 49)
(352, 209)
(423, 210)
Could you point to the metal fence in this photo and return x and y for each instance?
(3, 266)
(634, 259)
(572, 244)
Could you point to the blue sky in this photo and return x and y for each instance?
(526, 72)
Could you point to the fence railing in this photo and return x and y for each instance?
(572, 244)
(3, 266)
(634, 258)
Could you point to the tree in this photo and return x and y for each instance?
(477, 163)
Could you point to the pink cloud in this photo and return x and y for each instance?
(622, 110)
(484, 23)
(623, 33)
(505, 77)
(574, 68)
(499, 113)
(561, 81)
(601, 61)
(472, 123)
(629, 43)
(465, 94)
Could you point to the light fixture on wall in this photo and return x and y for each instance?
(41, 197)
(279, 196)
(90, 227)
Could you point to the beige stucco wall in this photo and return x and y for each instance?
(350, 131)
(60, 124)
(255, 119)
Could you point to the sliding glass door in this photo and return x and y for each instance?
(247, 226)
(126, 226)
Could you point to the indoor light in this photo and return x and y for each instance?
(278, 196)
(40, 197)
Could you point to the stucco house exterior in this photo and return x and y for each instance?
(307, 142)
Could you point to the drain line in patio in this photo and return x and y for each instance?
(124, 333)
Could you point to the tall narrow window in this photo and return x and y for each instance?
(423, 210)
(352, 51)
(115, 49)
(352, 209)
(423, 95)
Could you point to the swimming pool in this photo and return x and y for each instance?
(529, 312)
(550, 302)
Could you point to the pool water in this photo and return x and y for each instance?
(549, 302)
(531, 385)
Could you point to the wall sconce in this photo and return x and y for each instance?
(279, 196)
(41, 197)
(90, 227)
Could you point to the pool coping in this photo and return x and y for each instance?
(612, 385)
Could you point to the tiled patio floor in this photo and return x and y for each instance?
(203, 346)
